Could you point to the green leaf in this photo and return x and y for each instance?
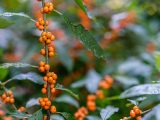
(139, 90)
(93, 117)
(86, 38)
(60, 87)
(108, 112)
(37, 115)
(81, 5)
(16, 65)
(10, 14)
(4, 23)
(32, 102)
(63, 55)
(157, 59)
(67, 116)
(67, 99)
(19, 115)
(34, 77)
(3, 73)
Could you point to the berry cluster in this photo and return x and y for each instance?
(48, 50)
(46, 104)
(51, 78)
(136, 113)
(91, 105)
(43, 67)
(7, 97)
(81, 113)
(51, 51)
(106, 83)
(48, 8)
(46, 37)
(41, 24)
(91, 99)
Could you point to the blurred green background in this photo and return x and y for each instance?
(128, 31)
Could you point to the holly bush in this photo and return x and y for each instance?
(79, 60)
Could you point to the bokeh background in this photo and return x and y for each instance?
(128, 31)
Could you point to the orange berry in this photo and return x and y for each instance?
(4, 96)
(54, 76)
(41, 69)
(21, 109)
(45, 99)
(41, 63)
(137, 111)
(47, 66)
(45, 85)
(48, 103)
(91, 97)
(42, 52)
(132, 113)
(48, 41)
(45, 78)
(7, 99)
(45, 117)
(52, 37)
(139, 118)
(42, 104)
(11, 100)
(50, 79)
(44, 90)
(53, 109)
(53, 90)
(52, 86)
(51, 54)
(135, 107)
(100, 94)
(46, 107)
(45, 9)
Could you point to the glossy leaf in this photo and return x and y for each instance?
(32, 102)
(19, 115)
(67, 99)
(81, 5)
(86, 38)
(4, 23)
(34, 77)
(108, 112)
(16, 65)
(146, 89)
(37, 115)
(10, 14)
(60, 87)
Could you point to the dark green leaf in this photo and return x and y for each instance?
(3, 73)
(37, 115)
(108, 112)
(60, 87)
(4, 23)
(19, 115)
(34, 77)
(16, 65)
(67, 116)
(32, 102)
(9, 14)
(86, 38)
(81, 5)
(67, 99)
